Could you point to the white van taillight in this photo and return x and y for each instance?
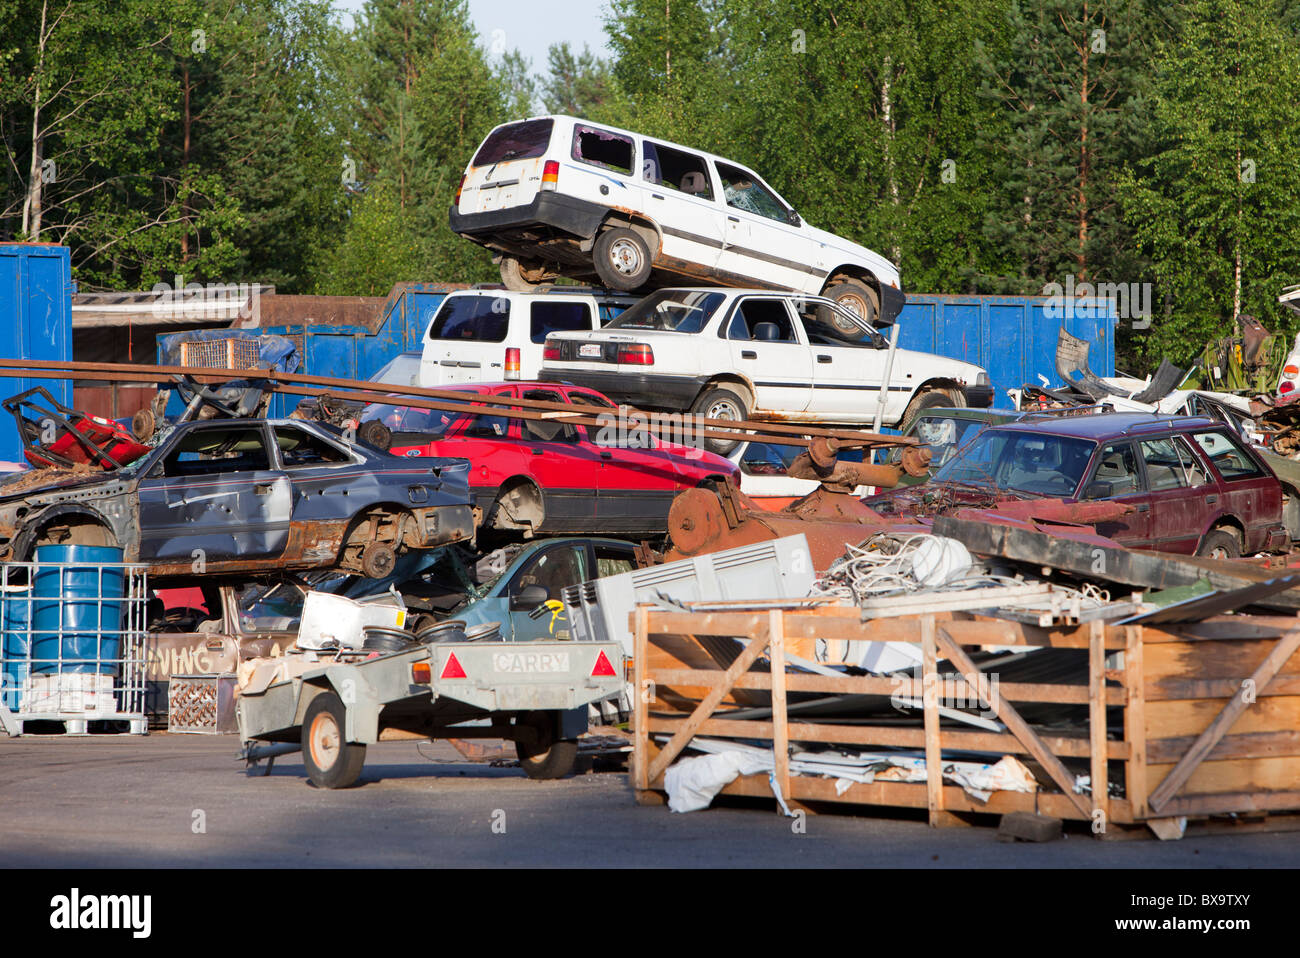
(512, 362)
(636, 354)
(551, 175)
(456, 201)
(551, 351)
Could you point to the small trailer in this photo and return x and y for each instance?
(533, 693)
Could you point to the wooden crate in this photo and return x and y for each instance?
(1180, 689)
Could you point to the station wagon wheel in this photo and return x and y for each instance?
(855, 296)
(721, 403)
(622, 259)
(331, 761)
(1220, 544)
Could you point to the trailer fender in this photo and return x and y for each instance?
(357, 695)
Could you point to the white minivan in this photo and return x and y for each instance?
(560, 196)
(487, 335)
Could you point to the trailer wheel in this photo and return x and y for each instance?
(547, 756)
(331, 762)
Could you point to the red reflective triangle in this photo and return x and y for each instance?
(452, 669)
(602, 666)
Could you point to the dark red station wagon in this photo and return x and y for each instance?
(1194, 486)
(550, 476)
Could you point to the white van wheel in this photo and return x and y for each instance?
(855, 296)
(622, 259)
(516, 277)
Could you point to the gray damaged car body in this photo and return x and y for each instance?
(245, 495)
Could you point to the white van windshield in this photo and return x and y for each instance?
(514, 141)
(683, 311)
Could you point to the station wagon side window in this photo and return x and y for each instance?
(546, 430)
(742, 191)
(1116, 473)
(204, 452)
(596, 147)
(1232, 461)
(762, 320)
(676, 169)
(300, 449)
(1171, 465)
(547, 318)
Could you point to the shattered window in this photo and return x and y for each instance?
(299, 448)
(609, 151)
(554, 570)
(677, 170)
(742, 191)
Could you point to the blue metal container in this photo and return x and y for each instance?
(15, 643)
(35, 321)
(77, 612)
(1013, 337)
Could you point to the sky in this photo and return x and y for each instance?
(530, 26)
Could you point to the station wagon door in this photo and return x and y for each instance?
(765, 346)
(1182, 495)
(680, 196)
(1250, 492)
(215, 490)
(762, 244)
(1116, 476)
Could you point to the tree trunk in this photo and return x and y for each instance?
(185, 161)
(887, 118)
(1081, 256)
(32, 202)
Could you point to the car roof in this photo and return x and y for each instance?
(1106, 425)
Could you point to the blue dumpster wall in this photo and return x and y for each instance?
(1013, 337)
(35, 322)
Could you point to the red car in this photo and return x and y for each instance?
(550, 476)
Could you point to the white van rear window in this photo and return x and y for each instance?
(514, 141)
(558, 318)
(481, 319)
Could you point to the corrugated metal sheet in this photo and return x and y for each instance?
(35, 320)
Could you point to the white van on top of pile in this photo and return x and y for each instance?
(560, 196)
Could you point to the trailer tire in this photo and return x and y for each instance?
(550, 757)
(330, 761)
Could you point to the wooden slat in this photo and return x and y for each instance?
(1135, 724)
(1099, 769)
(1017, 725)
(876, 685)
(1213, 659)
(1002, 743)
(1284, 648)
(1257, 775)
(1219, 803)
(640, 706)
(930, 701)
(1190, 717)
(702, 711)
(1172, 689)
(1278, 744)
(781, 732)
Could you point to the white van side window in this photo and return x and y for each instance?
(596, 147)
(677, 170)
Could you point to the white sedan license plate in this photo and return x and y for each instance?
(531, 663)
(589, 350)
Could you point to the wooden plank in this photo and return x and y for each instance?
(1222, 803)
(1099, 770)
(1223, 627)
(1002, 743)
(1251, 775)
(710, 702)
(930, 703)
(1213, 659)
(1284, 648)
(1190, 717)
(1251, 745)
(781, 733)
(1135, 723)
(640, 703)
(1016, 725)
(1170, 689)
(875, 685)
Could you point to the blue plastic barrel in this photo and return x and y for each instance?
(15, 642)
(83, 621)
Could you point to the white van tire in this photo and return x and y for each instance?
(514, 278)
(622, 259)
(855, 296)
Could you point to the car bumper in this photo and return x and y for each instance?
(551, 210)
(892, 302)
(978, 397)
(645, 390)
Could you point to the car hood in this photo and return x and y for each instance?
(21, 485)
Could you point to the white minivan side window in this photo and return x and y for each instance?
(676, 169)
(597, 147)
